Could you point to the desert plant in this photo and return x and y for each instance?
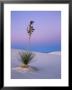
(26, 58)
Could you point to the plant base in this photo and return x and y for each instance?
(24, 66)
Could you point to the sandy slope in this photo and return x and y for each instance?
(47, 65)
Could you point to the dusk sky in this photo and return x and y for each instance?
(47, 34)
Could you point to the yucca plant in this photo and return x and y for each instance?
(26, 58)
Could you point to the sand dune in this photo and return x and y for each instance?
(47, 65)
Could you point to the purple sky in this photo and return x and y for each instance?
(47, 34)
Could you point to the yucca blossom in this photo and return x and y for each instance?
(30, 29)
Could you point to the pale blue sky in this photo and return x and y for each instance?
(47, 34)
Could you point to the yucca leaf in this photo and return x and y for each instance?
(26, 57)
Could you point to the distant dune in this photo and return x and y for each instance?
(55, 53)
(48, 65)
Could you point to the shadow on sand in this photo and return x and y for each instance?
(29, 69)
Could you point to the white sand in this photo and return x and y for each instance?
(46, 65)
